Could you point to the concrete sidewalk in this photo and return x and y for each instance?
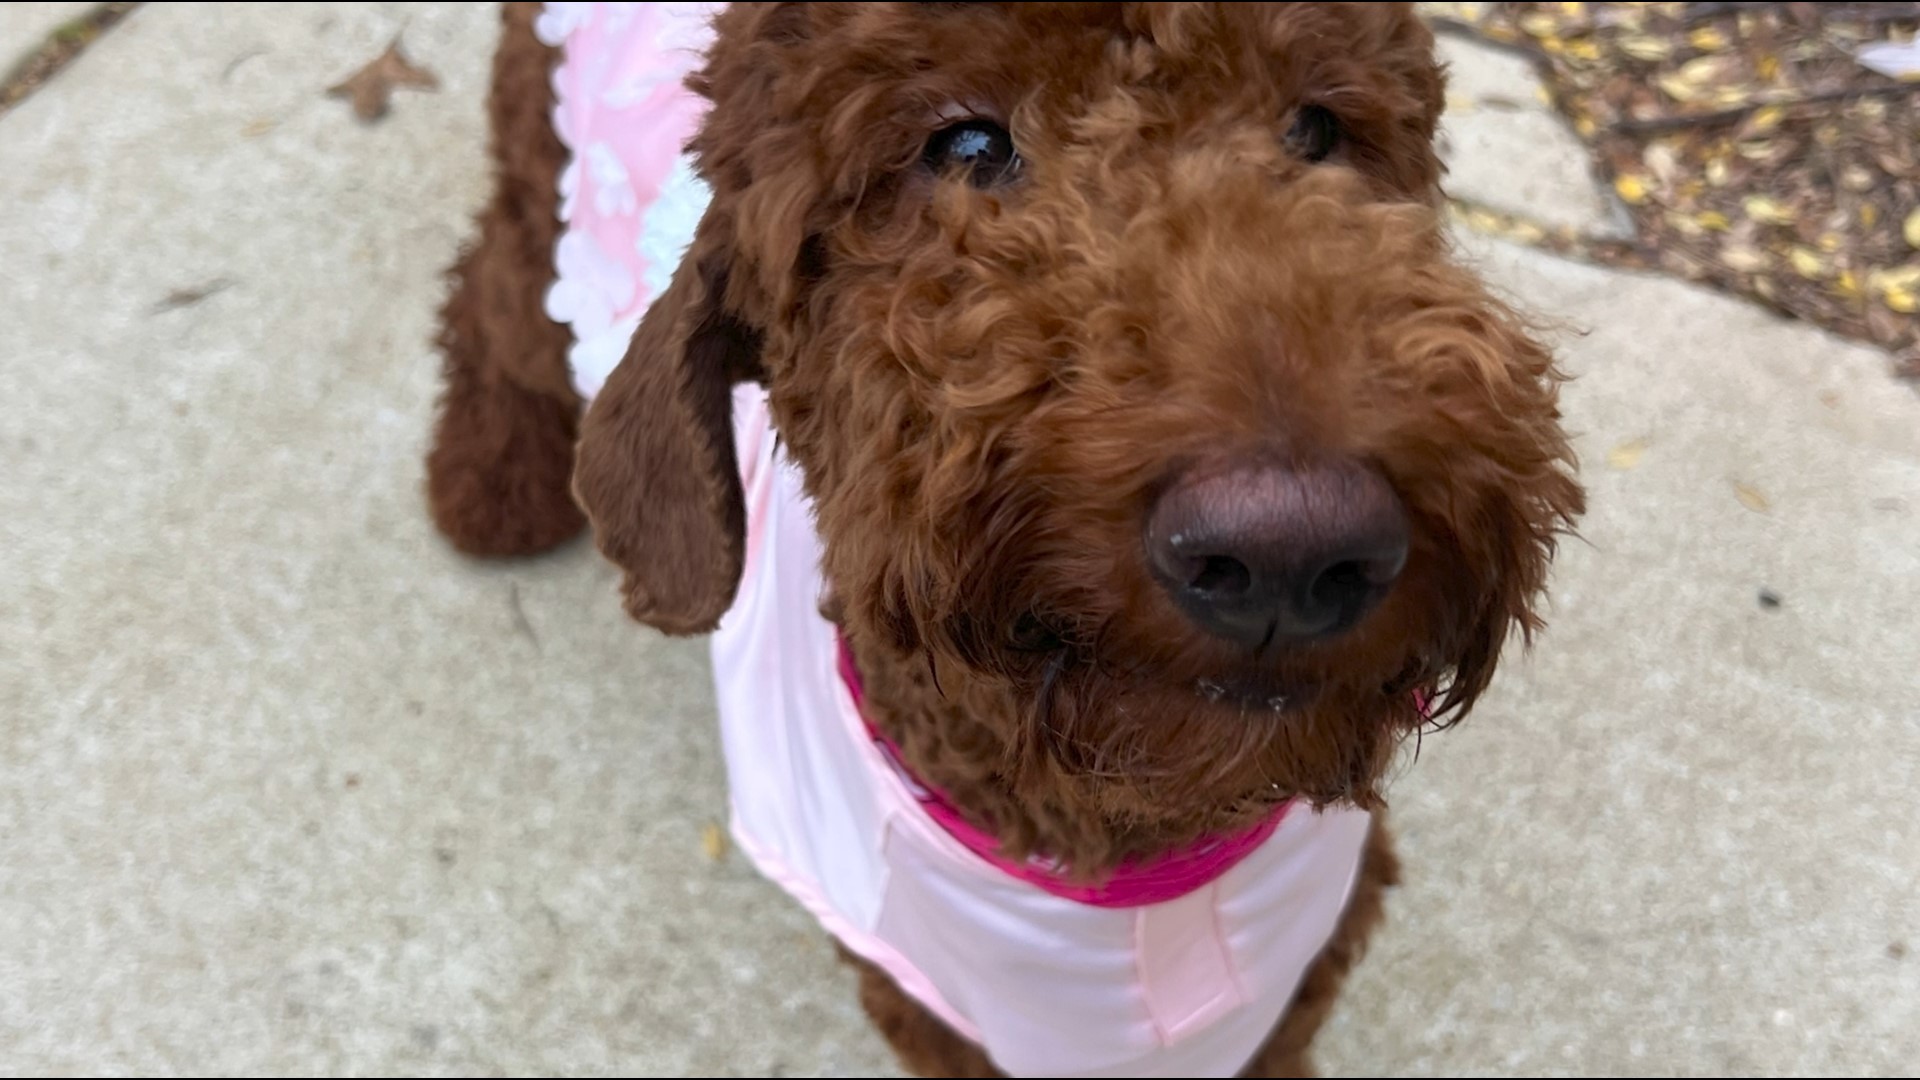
(287, 787)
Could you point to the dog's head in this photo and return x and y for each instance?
(1124, 356)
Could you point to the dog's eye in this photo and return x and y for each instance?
(1315, 133)
(980, 150)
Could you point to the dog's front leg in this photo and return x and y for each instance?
(500, 471)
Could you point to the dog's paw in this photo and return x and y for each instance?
(499, 476)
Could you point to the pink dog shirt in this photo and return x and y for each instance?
(1179, 967)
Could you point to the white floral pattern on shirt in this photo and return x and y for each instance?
(628, 197)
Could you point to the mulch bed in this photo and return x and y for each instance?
(1750, 147)
(59, 50)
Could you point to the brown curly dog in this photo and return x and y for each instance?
(1163, 456)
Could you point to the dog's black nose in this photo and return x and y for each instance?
(1254, 553)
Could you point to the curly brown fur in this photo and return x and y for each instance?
(499, 472)
(987, 386)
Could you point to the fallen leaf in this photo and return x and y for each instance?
(1806, 262)
(1763, 121)
(371, 88)
(1697, 78)
(1751, 498)
(1902, 277)
(1899, 288)
(1539, 25)
(1911, 230)
(1706, 39)
(1627, 454)
(1483, 221)
(1526, 232)
(191, 295)
(1744, 258)
(1663, 161)
(1762, 209)
(1685, 225)
(1641, 47)
(257, 128)
(1631, 188)
(1769, 600)
(713, 840)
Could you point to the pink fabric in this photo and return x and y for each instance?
(1135, 884)
(869, 947)
(628, 196)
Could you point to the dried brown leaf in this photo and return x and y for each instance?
(713, 841)
(1627, 455)
(1751, 497)
(371, 88)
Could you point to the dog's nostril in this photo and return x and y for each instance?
(1350, 574)
(1341, 584)
(1222, 574)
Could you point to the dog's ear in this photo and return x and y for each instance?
(655, 467)
(656, 471)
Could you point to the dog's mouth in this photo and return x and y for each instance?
(1270, 688)
(1250, 693)
(1261, 692)
(1253, 695)
(1256, 696)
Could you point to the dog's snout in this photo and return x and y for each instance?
(1260, 552)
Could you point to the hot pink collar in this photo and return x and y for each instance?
(1136, 883)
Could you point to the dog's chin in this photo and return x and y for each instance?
(1222, 744)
